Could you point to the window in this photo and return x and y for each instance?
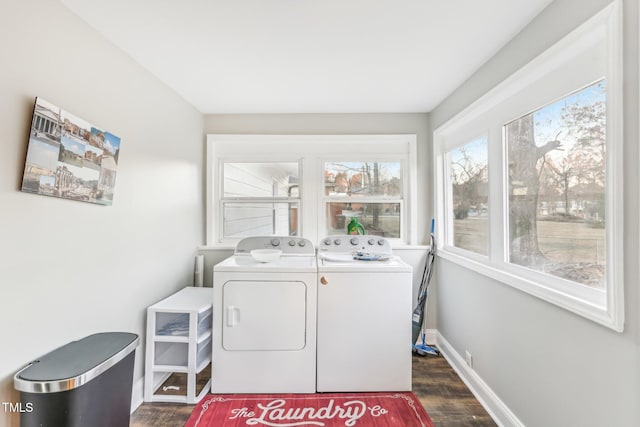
(311, 186)
(557, 187)
(469, 195)
(543, 152)
(260, 199)
(368, 191)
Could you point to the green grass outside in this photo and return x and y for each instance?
(574, 245)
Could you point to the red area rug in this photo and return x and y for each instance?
(323, 409)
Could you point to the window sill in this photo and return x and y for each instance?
(223, 247)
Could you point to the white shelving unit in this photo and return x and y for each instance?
(178, 341)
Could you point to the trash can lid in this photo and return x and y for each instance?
(76, 363)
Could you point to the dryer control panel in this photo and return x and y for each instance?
(350, 243)
(289, 245)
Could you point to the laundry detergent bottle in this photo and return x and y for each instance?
(355, 227)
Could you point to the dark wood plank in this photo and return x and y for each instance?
(447, 400)
(161, 415)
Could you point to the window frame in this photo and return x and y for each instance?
(311, 151)
(519, 95)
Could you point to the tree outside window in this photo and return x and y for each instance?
(469, 193)
(556, 167)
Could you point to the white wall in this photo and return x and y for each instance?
(548, 366)
(69, 269)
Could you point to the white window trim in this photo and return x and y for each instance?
(311, 151)
(605, 307)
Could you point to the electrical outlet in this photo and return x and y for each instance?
(469, 359)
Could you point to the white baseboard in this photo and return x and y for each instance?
(137, 395)
(430, 336)
(498, 410)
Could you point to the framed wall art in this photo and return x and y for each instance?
(69, 157)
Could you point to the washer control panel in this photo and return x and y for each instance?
(289, 245)
(350, 243)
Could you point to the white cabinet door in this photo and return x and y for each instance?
(264, 315)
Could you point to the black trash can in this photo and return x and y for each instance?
(84, 383)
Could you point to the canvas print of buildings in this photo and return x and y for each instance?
(70, 158)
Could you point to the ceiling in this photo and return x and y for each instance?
(310, 56)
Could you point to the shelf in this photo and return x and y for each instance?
(170, 338)
(171, 368)
(205, 336)
(167, 338)
(177, 327)
(203, 356)
(176, 391)
(177, 354)
(173, 314)
(174, 398)
(168, 398)
(204, 390)
(171, 354)
(203, 364)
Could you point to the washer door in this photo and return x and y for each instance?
(264, 315)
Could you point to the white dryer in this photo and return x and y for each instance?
(364, 316)
(264, 319)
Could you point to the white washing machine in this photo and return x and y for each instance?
(364, 316)
(264, 319)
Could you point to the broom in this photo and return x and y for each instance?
(421, 306)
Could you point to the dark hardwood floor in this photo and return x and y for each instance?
(445, 397)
